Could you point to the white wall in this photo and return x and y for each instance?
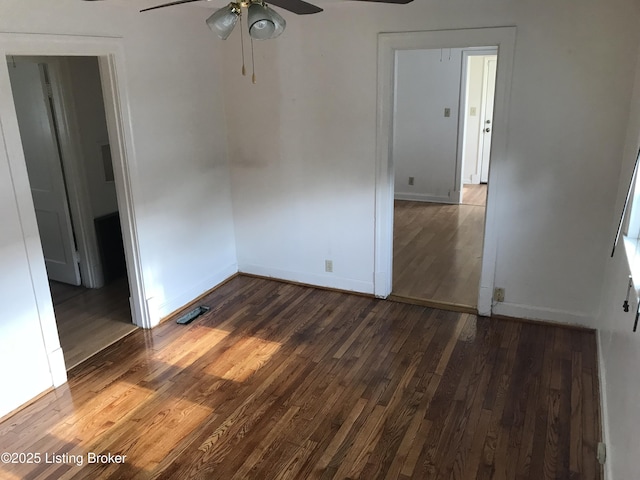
(470, 164)
(619, 348)
(92, 125)
(22, 349)
(302, 144)
(179, 173)
(424, 140)
(619, 351)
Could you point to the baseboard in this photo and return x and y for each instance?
(26, 404)
(604, 410)
(382, 284)
(196, 301)
(422, 197)
(58, 367)
(550, 315)
(179, 301)
(326, 281)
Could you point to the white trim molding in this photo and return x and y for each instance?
(604, 405)
(553, 315)
(110, 52)
(504, 38)
(327, 280)
(161, 311)
(424, 197)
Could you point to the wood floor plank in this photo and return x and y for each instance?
(474, 194)
(90, 320)
(279, 381)
(438, 250)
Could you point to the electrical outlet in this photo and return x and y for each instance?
(411, 180)
(328, 266)
(447, 112)
(498, 294)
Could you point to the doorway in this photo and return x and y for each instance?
(443, 112)
(479, 69)
(64, 135)
(501, 38)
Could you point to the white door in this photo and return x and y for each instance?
(488, 94)
(46, 177)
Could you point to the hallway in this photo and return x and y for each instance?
(437, 249)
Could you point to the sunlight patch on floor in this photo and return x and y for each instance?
(243, 359)
(5, 475)
(179, 417)
(192, 348)
(115, 403)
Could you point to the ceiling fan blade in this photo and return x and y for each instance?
(177, 2)
(298, 7)
(399, 2)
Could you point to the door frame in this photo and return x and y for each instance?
(111, 57)
(388, 43)
(464, 107)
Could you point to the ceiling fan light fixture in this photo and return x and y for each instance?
(224, 20)
(264, 22)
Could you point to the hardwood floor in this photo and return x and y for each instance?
(437, 252)
(90, 320)
(61, 292)
(475, 194)
(280, 381)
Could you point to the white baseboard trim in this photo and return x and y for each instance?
(485, 298)
(192, 292)
(604, 409)
(329, 280)
(422, 197)
(57, 367)
(382, 285)
(544, 314)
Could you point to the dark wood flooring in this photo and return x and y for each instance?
(280, 381)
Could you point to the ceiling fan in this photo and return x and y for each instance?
(264, 23)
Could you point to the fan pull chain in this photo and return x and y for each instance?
(253, 64)
(244, 70)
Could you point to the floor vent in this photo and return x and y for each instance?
(192, 315)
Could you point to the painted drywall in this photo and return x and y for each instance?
(179, 174)
(302, 145)
(619, 347)
(22, 348)
(84, 74)
(619, 351)
(470, 164)
(424, 139)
